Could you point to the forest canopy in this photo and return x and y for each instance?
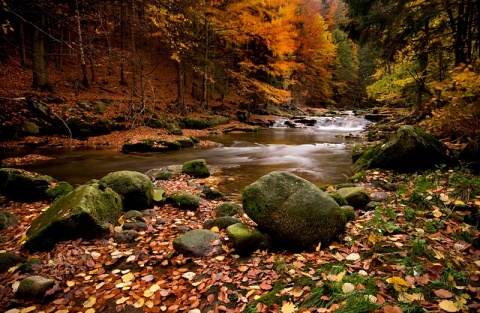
(422, 54)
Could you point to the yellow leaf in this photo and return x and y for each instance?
(318, 247)
(249, 293)
(12, 310)
(374, 238)
(91, 310)
(437, 213)
(122, 300)
(459, 203)
(215, 229)
(154, 287)
(288, 307)
(90, 302)
(22, 239)
(220, 258)
(139, 303)
(336, 278)
(438, 255)
(399, 284)
(449, 306)
(409, 298)
(70, 283)
(121, 221)
(149, 304)
(244, 268)
(29, 309)
(128, 277)
(148, 293)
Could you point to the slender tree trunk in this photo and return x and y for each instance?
(23, 52)
(122, 43)
(205, 70)
(80, 46)
(39, 61)
(60, 49)
(180, 84)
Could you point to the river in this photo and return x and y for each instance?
(320, 153)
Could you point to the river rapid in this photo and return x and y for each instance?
(317, 149)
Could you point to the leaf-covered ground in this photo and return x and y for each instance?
(417, 251)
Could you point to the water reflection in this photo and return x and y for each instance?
(319, 156)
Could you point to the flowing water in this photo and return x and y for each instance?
(320, 153)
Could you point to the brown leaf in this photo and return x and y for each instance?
(442, 293)
(392, 309)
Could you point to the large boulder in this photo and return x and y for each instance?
(292, 211)
(8, 260)
(408, 150)
(34, 287)
(198, 242)
(7, 219)
(135, 188)
(24, 186)
(83, 213)
(184, 201)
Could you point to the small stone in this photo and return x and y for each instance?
(125, 236)
(135, 226)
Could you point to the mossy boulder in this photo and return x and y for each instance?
(174, 129)
(408, 150)
(7, 219)
(221, 222)
(246, 239)
(198, 242)
(85, 212)
(292, 211)
(228, 209)
(34, 287)
(23, 186)
(196, 168)
(29, 265)
(212, 193)
(59, 190)
(349, 212)
(184, 201)
(8, 260)
(355, 196)
(135, 188)
(338, 198)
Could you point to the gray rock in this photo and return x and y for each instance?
(355, 196)
(221, 222)
(379, 196)
(135, 226)
(198, 242)
(245, 239)
(83, 213)
(166, 173)
(184, 201)
(125, 236)
(212, 194)
(134, 215)
(372, 205)
(410, 149)
(29, 265)
(196, 168)
(7, 219)
(337, 197)
(292, 211)
(34, 287)
(24, 186)
(135, 188)
(228, 209)
(8, 260)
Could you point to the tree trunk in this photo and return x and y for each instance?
(39, 61)
(23, 52)
(180, 84)
(205, 70)
(80, 46)
(122, 43)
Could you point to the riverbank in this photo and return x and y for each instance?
(417, 249)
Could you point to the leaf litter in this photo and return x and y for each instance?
(386, 258)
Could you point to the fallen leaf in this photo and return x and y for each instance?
(348, 287)
(442, 293)
(29, 309)
(139, 303)
(353, 257)
(409, 298)
(122, 300)
(448, 305)
(392, 309)
(90, 302)
(288, 307)
(399, 284)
